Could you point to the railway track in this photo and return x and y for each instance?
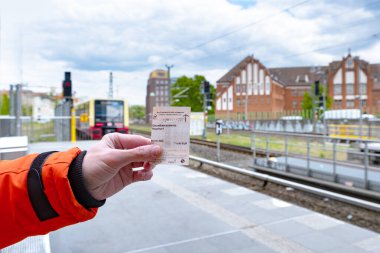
(212, 144)
(327, 187)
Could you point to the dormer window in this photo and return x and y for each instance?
(350, 63)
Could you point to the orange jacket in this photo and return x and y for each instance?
(40, 193)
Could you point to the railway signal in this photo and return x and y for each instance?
(67, 86)
(207, 102)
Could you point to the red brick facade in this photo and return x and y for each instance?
(250, 90)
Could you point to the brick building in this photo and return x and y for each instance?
(250, 90)
(157, 92)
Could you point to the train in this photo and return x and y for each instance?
(98, 117)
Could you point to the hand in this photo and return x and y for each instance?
(108, 166)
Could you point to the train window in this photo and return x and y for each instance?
(109, 111)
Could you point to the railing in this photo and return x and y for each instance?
(346, 161)
(41, 129)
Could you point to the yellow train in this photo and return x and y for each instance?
(98, 117)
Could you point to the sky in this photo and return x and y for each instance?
(41, 39)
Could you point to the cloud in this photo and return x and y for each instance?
(90, 38)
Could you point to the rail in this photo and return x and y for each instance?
(288, 183)
(335, 159)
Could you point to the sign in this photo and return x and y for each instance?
(218, 127)
(197, 123)
(83, 117)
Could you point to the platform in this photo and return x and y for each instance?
(182, 210)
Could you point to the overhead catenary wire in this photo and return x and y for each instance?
(370, 38)
(240, 29)
(365, 20)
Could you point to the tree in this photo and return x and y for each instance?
(307, 102)
(4, 105)
(191, 97)
(27, 110)
(137, 112)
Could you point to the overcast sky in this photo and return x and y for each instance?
(41, 39)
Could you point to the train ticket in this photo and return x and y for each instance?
(171, 130)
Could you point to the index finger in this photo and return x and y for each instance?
(127, 141)
(140, 154)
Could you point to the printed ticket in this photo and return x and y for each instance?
(171, 130)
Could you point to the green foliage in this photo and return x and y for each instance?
(27, 110)
(307, 102)
(192, 97)
(4, 105)
(137, 112)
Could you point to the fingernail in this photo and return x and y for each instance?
(156, 150)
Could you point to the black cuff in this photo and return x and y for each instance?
(77, 184)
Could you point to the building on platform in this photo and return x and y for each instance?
(250, 90)
(157, 92)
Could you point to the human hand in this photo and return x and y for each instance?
(108, 166)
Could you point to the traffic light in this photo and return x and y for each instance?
(320, 101)
(67, 85)
(206, 87)
(316, 88)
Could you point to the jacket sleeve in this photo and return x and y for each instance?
(40, 193)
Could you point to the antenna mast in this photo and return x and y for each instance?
(110, 88)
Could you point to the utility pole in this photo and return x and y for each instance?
(246, 101)
(18, 109)
(324, 105)
(110, 88)
(361, 114)
(0, 50)
(169, 82)
(12, 111)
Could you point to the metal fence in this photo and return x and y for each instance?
(38, 130)
(341, 160)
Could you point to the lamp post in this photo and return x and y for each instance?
(169, 83)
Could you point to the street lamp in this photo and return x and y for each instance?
(169, 83)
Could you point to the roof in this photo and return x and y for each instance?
(230, 74)
(296, 76)
(375, 70)
(299, 76)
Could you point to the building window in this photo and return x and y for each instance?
(243, 88)
(237, 88)
(244, 101)
(338, 104)
(294, 104)
(363, 89)
(363, 102)
(350, 103)
(337, 89)
(294, 93)
(349, 63)
(238, 102)
(349, 89)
